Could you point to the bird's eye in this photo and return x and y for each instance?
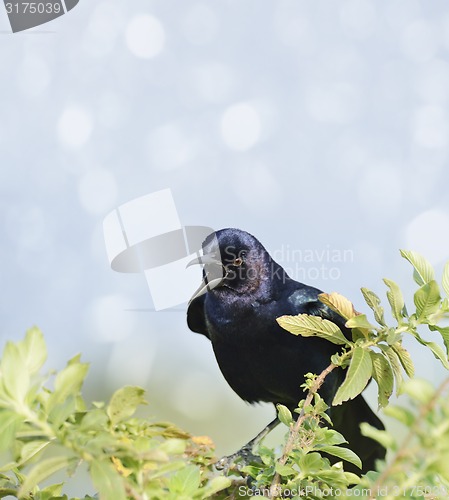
(238, 261)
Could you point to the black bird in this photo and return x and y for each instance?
(243, 292)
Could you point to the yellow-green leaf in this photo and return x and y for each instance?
(357, 376)
(186, 481)
(401, 414)
(382, 437)
(427, 299)
(41, 471)
(444, 332)
(107, 480)
(359, 321)
(404, 358)
(15, 375)
(395, 298)
(373, 302)
(217, 484)
(445, 280)
(383, 375)
(312, 326)
(419, 389)
(10, 423)
(393, 358)
(436, 349)
(338, 303)
(423, 271)
(124, 403)
(31, 449)
(34, 350)
(68, 382)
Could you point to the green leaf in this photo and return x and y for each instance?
(43, 470)
(436, 349)
(107, 480)
(312, 326)
(393, 336)
(164, 469)
(68, 382)
(373, 302)
(330, 476)
(285, 470)
(444, 332)
(10, 423)
(284, 415)
(332, 437)
(34, 350)
(53, 492)
(423, 271)
(393, 358)
(311, 462)
(395, 298)
(383, 375)
(15, 376)
(31, 449)
(360, 321)
(401, 414)
(338, 303)
(357, 376)
(445, 280)
(427, 299)
(173, 446)
(343, 453)
(382, 437)
(419, 389)
(405, 359)
(94, 420)
(124, 403)
(61, 412)
(217, 484)
(186, 481)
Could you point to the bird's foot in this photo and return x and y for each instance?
(237, 460)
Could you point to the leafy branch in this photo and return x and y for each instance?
(46, 426)
(46, 430)
(373, 351)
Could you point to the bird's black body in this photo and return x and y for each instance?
(260, 360)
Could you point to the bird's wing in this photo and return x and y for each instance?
(196, 318)
(305, 301)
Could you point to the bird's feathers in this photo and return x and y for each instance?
(260, 360)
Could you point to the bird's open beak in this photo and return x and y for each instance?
(212, 279)
(204, 259)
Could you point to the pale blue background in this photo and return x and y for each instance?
(314, 125)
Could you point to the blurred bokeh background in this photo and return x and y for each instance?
(320, 127)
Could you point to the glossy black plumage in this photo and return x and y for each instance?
(260, 360)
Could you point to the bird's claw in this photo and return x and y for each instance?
(237, 460)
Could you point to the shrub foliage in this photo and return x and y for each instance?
(47, 427)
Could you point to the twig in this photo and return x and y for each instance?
(293, 436)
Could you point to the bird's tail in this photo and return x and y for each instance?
(346, 419)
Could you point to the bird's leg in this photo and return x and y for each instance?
(245, 454)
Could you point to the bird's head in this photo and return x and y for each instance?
(234, 262)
